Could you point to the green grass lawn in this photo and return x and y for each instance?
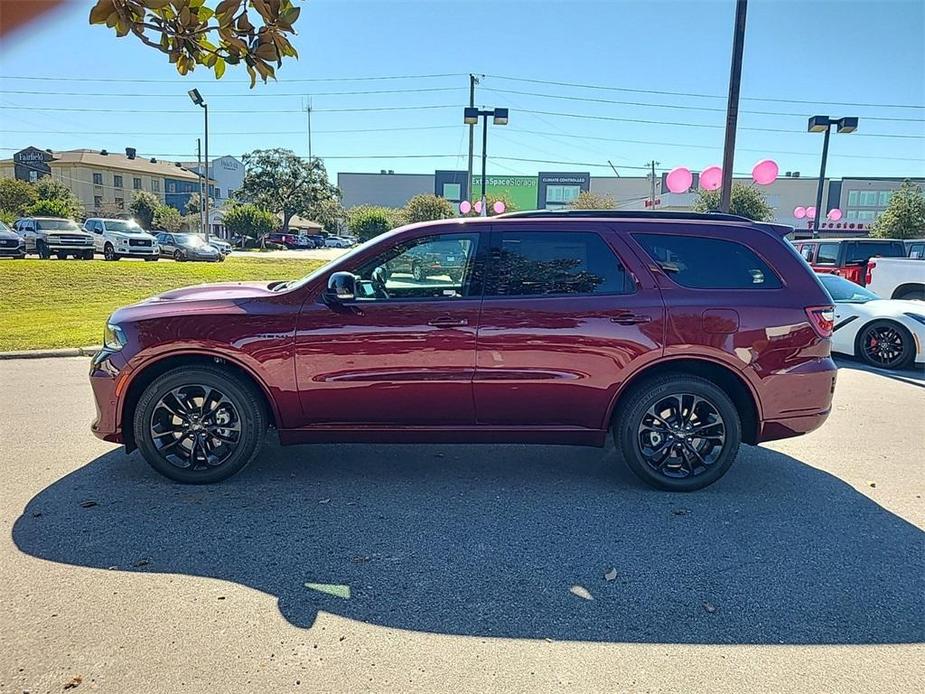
(64, 303)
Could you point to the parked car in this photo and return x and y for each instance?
(888, 333)
(121, 238)
(681, 335)
(318, 240)
(337, 242)
(847, 257)
(221, 246)
(185, 246)
(47, 236)
(12, 245)
(897, 278)
(915, 248)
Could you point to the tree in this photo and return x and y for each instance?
(182, 28)
(143, 207)
(367, 221)
(329, 213)
(426, 207)
(194, 204)
(904, 217)
(50, 208)
(248, 220)
(47, 188)
(279, 181)
(167, 218)
(746, 201)
(587, 200)
(16, 196)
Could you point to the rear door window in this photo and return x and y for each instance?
(862, 252)
(807, 251)
(707, 263)
(828, 254)
(538, 263)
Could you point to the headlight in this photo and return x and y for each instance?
(916, 317)
(113, 338)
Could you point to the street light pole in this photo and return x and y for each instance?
(197, 99)
(823, 124)
(471, 117)
(821, 184)
(732, 104)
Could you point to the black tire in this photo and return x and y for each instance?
(42, 250)
(251, 416)
(417, 272)
(151, 259)
(61, 255)
(178, 256)
(87, 255)
(903, 341)
(630, 422)
(109, 253)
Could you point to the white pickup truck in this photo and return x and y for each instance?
(896, 278)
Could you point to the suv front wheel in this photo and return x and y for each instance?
(199, 425)
(678, 432)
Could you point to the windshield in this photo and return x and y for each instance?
(56, 224)
(3, 227)
(844, 291)
(124, 227)
(189, 239)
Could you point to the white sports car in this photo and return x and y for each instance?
(888, 333)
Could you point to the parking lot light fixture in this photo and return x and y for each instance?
(823, 124)
(197, 99)
(471, 117)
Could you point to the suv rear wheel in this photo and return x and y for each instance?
(678, 432)
(199, 425)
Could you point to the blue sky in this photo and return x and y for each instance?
(811, 57)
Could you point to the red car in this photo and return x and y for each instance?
(848, 258)
(681, 335)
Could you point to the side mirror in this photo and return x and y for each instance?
(341, 287)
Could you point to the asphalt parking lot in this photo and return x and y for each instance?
(461, 568)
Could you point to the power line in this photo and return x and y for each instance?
(175, 81)
(239, 132)
(697, 125)
(231, 96)
(250, 110)
(716, 109)
(701, 95)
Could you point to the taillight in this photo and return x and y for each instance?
(871, 264)
(822, 318)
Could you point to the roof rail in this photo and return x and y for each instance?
(629, 214)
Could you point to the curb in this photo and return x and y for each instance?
(51, 353)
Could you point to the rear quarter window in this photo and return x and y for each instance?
(707, 263)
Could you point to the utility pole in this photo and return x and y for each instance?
(308, 110)
(473, 80)
(202, 223)
(732, 104)
(652, 196)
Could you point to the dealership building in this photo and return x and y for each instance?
(861, 200)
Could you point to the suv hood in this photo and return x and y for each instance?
(231, 291)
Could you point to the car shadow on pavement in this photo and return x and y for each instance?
(509, 541)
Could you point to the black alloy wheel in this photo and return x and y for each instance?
(199, 425)
(678, 432)
(886, 345)
(178, 256)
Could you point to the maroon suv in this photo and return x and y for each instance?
(682, 334)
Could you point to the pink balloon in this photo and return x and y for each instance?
(478, 206)
(799, 212)
(679, 180)
(835, 214)
(498, 207)
(810, 212)
(465, 207)
(765, 172)
(711, 178)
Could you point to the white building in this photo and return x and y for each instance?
(227, 173)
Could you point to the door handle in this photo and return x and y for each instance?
(630, 319)
(448, 322)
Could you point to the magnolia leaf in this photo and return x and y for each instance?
(101, 11)
(219, 68)
(155, 4)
